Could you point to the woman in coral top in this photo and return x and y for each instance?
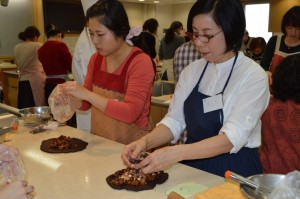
(118, 84)
(280, 149)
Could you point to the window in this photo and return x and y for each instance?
(257, 20)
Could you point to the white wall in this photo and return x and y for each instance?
(165, 14)
(182, 11)
(14, 19)
(19, 14)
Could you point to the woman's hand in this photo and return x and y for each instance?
(159, 160)
(132, 151)
(75, 90)
(17, 190)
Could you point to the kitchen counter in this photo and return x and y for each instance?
(161, 101)
(10, 87)
(82, 175)
(5, 66)
(159, 107)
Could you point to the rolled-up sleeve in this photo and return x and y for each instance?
(243, 108)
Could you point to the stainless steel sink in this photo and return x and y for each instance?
(162, 88)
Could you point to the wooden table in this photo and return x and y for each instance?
(82, 175)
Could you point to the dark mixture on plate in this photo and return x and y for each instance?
(62, 142)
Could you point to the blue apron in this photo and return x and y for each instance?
(200, 126)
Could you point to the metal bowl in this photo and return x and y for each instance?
(36, 115)
(263, 180)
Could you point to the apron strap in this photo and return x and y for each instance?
(230, 73)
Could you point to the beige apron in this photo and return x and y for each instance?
(111, 128)
(34, 72)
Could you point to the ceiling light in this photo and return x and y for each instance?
(141, 0)
(155, 1)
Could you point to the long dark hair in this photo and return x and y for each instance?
(170, 34)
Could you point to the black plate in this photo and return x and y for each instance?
(161, 178)
(76, 145)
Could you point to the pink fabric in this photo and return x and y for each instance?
(33, 69)
(37, 80)
(139, 80)
(275, 61)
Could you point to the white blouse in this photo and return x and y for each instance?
(244, 100)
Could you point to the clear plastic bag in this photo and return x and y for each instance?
(61, 111)
(13, 170)
(289, 187)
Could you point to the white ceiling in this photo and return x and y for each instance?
(161, 1)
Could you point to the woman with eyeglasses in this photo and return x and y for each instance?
(218, 99)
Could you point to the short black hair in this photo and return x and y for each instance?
(112, 14)
(291, 18)
(150, 25)
(229, 15)
(286, 79)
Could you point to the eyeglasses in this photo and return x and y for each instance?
(203, 38)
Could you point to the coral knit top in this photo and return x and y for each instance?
(136, 87)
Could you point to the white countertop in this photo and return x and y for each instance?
(7, 65)
(82, 175)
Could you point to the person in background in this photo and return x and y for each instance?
(17, 189)
(280, 46)
(219, 99)
(186, 53)
(246, 42)
(149, 31)
(280, 149)
(83, 51)
(31, 73)
(55, 58)
(256, 48)
(118, 84)
(173, 38)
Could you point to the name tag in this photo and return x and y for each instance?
(212, 103)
